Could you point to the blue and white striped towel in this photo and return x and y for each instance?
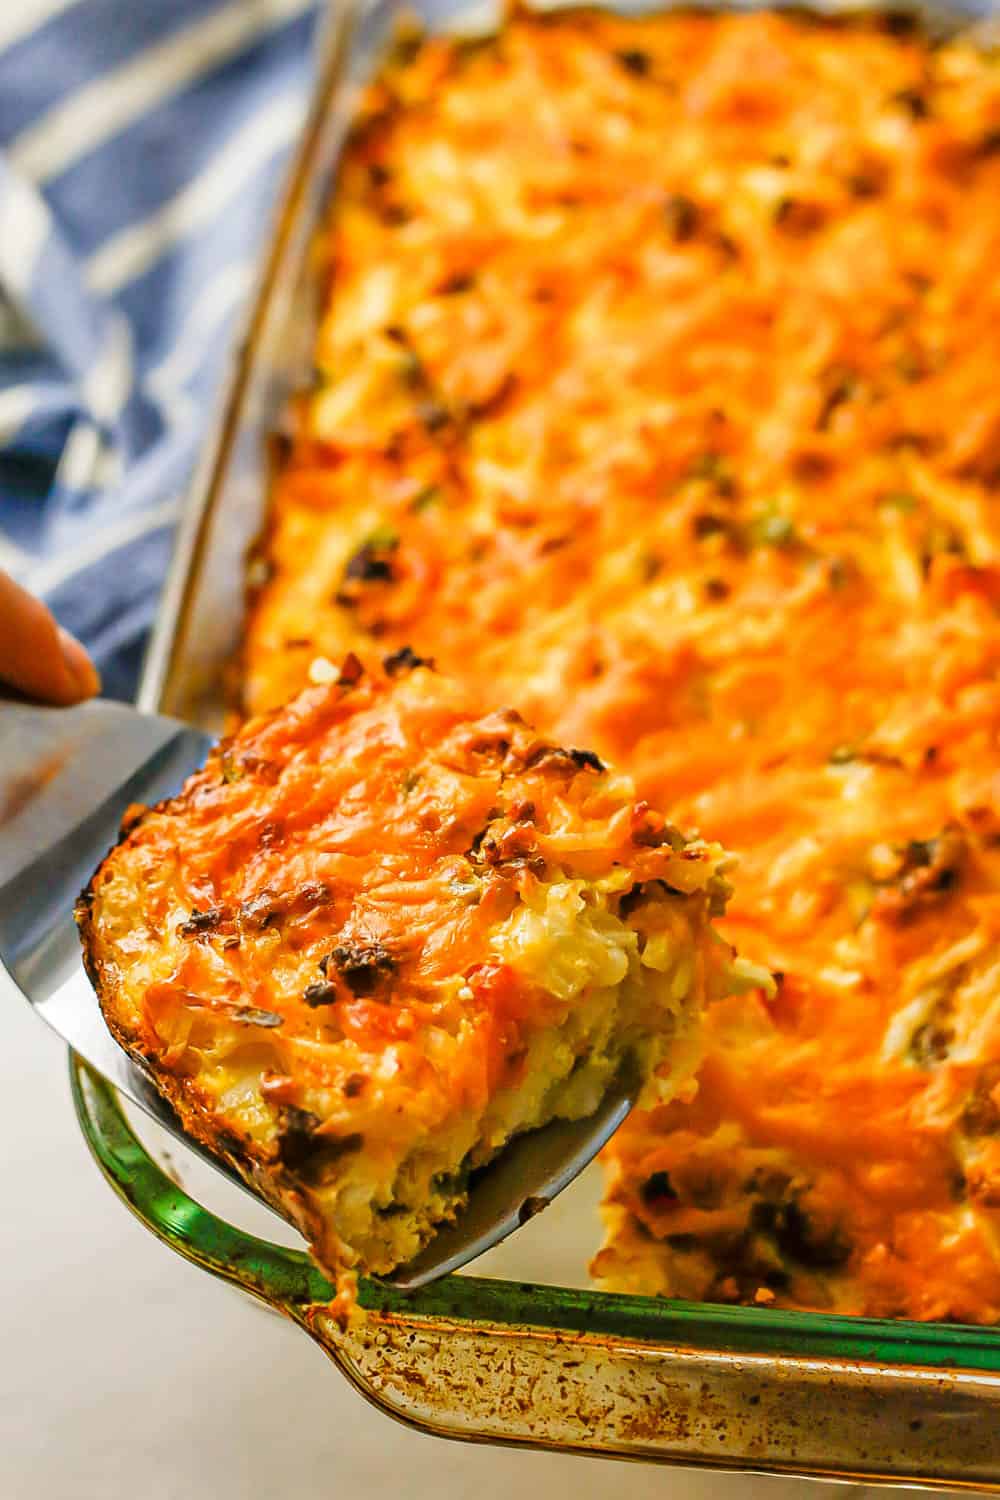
(141, 144)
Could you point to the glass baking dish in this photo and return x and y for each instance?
(501, 1357)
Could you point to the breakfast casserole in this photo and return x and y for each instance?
(381, 933)
(656, 394)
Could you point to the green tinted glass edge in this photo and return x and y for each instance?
(288, 1279)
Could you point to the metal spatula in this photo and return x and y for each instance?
(66, 778)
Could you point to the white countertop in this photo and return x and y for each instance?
(126, 1374)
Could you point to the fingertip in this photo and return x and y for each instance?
(84, 678)
(37, 657)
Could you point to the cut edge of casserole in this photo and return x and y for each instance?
(382, 933)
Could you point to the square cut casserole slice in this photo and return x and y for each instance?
(381, 933)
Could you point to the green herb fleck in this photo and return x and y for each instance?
(384, 538)
(842, 755)
(770, 529)
(231, 770)
(427, 497)
(706, 466)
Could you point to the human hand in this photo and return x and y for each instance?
(38, 657)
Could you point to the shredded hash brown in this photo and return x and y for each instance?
(657, 393)
(381, 933)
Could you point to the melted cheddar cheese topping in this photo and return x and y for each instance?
(381, 933)
(657, 394)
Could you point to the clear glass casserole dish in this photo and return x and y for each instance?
(501, 1358)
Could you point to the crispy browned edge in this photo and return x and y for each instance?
(263, 1172)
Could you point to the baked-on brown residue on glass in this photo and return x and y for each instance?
(658, 393)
